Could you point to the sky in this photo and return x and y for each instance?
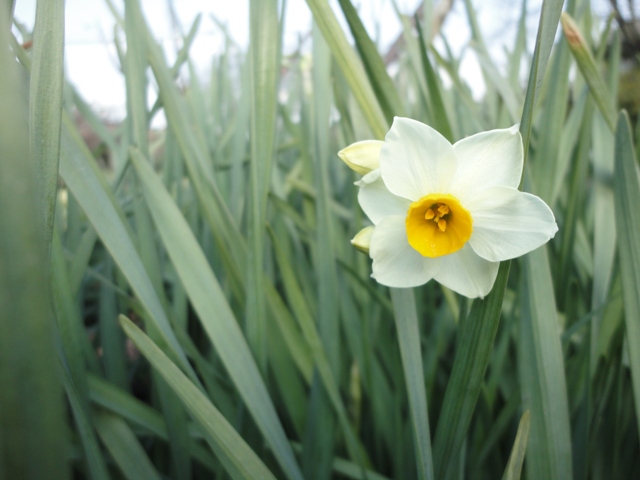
(91, 59)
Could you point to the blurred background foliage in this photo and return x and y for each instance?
(183, 302)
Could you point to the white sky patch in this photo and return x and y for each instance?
(92, 61)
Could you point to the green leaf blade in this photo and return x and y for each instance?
(33, 439)
(45, 103)
(213, 309)
(626, 201)
(409, 340)
(239, 460)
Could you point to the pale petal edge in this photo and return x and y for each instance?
(395, 262)
(488, 159)
(468, 274)
(416, 160)
(377, 201)
(508, 223)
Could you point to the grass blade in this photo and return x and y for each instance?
(136, 80)
(549, 17)
(544, 387)
(409, 339)
(33, 440)
(312, 337)
(439, 113)
(626, 200)
(263, 56)
(553, 116)
(239, 460)
(474, 348)
(96, 465)
(73, 337)
(589, 70)
(45, 103)
(215, 211)
(514, 467)
(86, 182)
(318, 445)
(144, 418)
(215, 314)
(124, 447)
(492, 76)
(350, 65)
(480, 328)
(381, 82)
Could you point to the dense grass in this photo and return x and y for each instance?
(193, 308)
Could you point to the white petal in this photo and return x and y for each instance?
(362, 157)
(377, 201)
(508, 223)
(416, 160)
(395, 262)
(488, 159)
(467, 273)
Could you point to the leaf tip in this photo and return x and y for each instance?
(571, 31)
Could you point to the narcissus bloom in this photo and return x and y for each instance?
(446, 212)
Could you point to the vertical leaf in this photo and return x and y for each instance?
(544, 387)
(124, 447)
(514, 467)
(409, 341)
(33, 441)
(479, 330)
(589, 70)
(350, 65)
(383, 86)
(96, 465)
(553, 116)
(239, 460)
(319, 438)
(136, 80)
(440, 116)
(263, 55)
(86, 182)
(627, 198)
(474, 349)
(45, 103)
(214, 312)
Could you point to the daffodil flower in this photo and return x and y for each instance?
(446, 212)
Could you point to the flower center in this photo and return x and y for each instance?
(438, 225)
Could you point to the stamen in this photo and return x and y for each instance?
(430, 230)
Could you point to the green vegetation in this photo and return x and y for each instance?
(192, 307)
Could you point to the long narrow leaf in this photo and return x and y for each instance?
(350, 65)
(45, 102)
(589, 70)
(81, 174)
(543, 379)
(33, 443)
(264, 75)
(474, 348)
(215, 314)
(516, 459)
(124, 447)
(239, 460)
(627, 199)
(409, 340)
(383, 86)
(480, 328)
